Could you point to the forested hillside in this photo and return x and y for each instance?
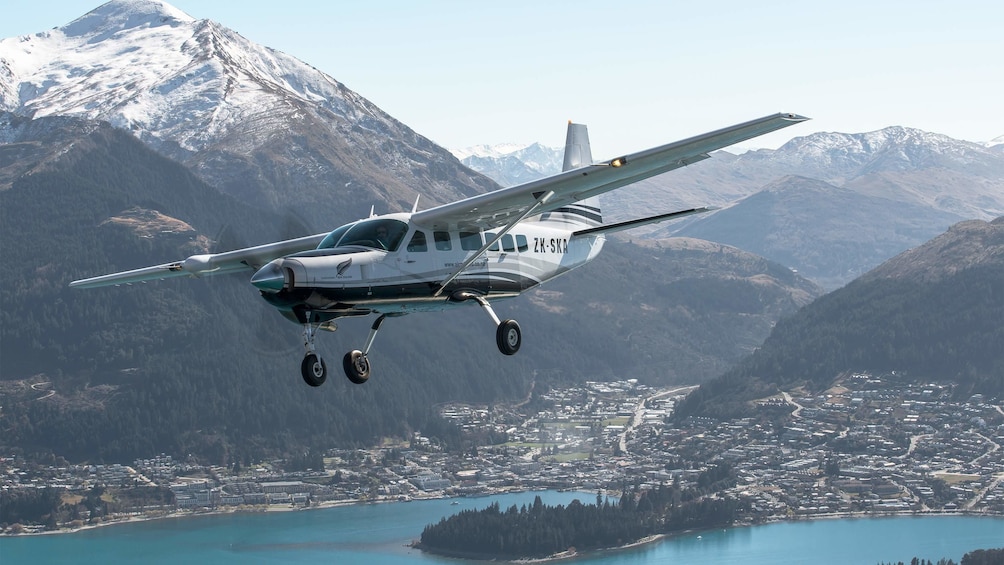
(945, 327)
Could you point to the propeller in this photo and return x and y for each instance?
(271, 335)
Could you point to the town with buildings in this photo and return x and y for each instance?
(869, 445)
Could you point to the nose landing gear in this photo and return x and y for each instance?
(314, 371)
(312, 368)
(355, 363)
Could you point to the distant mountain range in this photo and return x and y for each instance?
(830, 205)
(512, 164)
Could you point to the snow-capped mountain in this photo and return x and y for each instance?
(854, 200)
(148, 67)
(251, 120)
(904, 165)
(510, 163)
(847, 156)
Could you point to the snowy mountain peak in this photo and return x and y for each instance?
(871, 142)
(146, 66)
(512, 163)
(846, 155)
(120, 15)
(999, 140)
(490, 151)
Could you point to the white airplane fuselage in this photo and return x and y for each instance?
(358, 276)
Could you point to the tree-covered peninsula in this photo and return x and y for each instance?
(540, 531)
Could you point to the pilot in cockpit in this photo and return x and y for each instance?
(382, 239)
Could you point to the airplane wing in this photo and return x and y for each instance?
(248, 259)
(499, 208)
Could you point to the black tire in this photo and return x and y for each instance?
(357, 367)
(508, 337)
(313, 369)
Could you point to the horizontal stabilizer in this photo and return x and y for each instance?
(642, 221)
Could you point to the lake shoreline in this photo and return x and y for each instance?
(652, 539)
(363, 534)
(562, 556)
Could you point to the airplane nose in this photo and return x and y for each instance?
(269, 278)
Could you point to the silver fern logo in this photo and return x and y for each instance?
(344, 265)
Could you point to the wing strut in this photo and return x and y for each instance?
(476, 255)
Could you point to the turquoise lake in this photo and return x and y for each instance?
(380, 533)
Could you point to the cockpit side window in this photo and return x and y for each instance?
(418, 242)
(385, 234)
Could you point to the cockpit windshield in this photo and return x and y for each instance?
(385, 234)
(332, 238)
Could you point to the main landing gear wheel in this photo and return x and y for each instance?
(313, 369)
(357, 366)
(508, 337)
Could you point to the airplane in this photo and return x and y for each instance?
(473, 251)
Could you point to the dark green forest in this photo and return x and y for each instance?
(977, 557)
(540, 530)
(947, 330)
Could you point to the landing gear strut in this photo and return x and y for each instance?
(508, 336)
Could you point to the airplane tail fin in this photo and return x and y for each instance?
(577, 154)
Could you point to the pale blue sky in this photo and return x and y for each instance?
(639, 73)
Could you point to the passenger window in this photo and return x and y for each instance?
(507, 244)
(443, 242)
(490, 236)
(521, 243)
(470, 240)
(418, 242)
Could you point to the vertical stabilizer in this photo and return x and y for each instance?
(577, 153)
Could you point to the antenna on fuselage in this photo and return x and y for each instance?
(372, 208)
(415, 207)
